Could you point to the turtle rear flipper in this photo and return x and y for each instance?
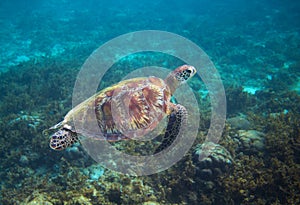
(177, 119)
(62, 139)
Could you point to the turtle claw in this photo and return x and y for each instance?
(62, 139)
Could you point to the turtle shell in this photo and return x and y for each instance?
(129, 109)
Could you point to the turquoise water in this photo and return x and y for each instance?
(255, 47)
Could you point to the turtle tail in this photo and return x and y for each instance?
(62, 139)
(177, 120)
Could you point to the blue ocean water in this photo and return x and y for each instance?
(255, 47)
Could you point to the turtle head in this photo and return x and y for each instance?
(63, 138)
(184, 72)
(180, 75)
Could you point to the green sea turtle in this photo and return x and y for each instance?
(128, 109)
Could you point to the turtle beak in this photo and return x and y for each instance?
(55, 127)
(192, 70)
(58, 125)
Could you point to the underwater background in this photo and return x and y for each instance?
(255, 45)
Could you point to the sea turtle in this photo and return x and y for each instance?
(128, 109)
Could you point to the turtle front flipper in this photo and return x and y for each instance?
(177, 119)
(62, 139)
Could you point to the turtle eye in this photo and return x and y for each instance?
(191, 70)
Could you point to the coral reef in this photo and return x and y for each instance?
(262, 157)
(255, 47)
(250, 141)
(239, 123)
(211, 160)
(256, 176)
(238, 100)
